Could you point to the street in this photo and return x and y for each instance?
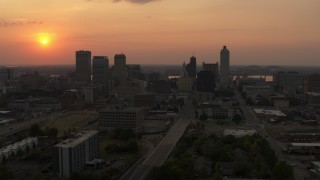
(161, 152)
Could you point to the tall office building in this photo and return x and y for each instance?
(83, 66)
(134, 71)
(192, 67)
(214, 68)
(119, 70)
(184, 72)
(224, 67)
(205, 81)
(72, 154)
(100, 69)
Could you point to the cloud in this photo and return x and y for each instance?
(18, 22)
(137, 1)
(131, 1)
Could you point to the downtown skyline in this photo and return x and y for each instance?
(161, 31)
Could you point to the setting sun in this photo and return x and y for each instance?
(44, 41)
(44, 38)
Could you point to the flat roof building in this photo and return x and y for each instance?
(111, 118)
(72, 154)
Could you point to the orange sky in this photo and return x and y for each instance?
(259, 32)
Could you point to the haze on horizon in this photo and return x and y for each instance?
(267, 32)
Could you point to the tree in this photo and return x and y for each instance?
(237, 118)
(35, 130)
(203, 116)
(38, 176)
(52, 132)
(5, 173)
(283, 171)
(217, 172)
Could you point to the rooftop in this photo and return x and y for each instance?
(239, 132)
(80, 137)
(270, 112)
(306, 144)
(119, 109)
(313, 93)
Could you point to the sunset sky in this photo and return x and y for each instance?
(257, 32)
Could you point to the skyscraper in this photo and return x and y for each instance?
(100, 69)
(192, 67)
(205, 81)
(83, 66)
(119, 70)
(214, 68)
(184, 70)
(224, 67)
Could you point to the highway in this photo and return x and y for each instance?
(161, 152)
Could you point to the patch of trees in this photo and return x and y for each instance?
(203, 116)
(129, 147)
(252, 157)
(106, 175)
(283, 171)
(123, 134)
(5, 173)
(35, 130)
(178, 168)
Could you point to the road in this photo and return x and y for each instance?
(275, 145)
(254, 122)
(161, 152)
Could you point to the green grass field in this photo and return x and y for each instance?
(71, 120)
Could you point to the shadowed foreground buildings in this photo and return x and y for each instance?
(71, 155)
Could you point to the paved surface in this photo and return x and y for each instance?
(164, 148)
(254, 122)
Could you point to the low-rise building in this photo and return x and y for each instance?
(239, 132)
(111, 118)
(313, 98)
(144, 100)
(269, 114)
(71, 155)
(185, 84)
(253, 91)
(280, 102)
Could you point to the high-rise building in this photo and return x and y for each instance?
(224, 67)
(192, 67)
(134, 71)
(184, 72)
(5, 75)
(214, 68)
(119, 70)
(72, 154)
(100, 69)
(205, 81)
(83, 66)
